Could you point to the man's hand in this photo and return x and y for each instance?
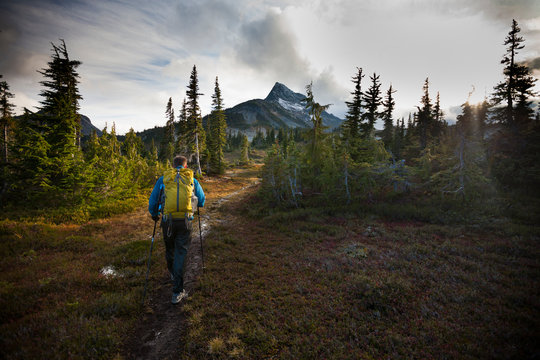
(155, 218)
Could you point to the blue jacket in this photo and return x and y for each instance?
(154, 197)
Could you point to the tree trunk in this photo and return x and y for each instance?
(197, 154)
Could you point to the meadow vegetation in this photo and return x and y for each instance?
(321, 282)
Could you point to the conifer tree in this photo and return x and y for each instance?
(270, 137)
(61, 94)
(465, 121)
(316, 135)
(195, 133)
(61, 122)
(516, 90)
(388, 130)
(181, 145)
(31, 156)
(244, 153)
(132, 145)
(353, 119)
(438, 118)
(424, 121)
(399, 138)
(372, 100)
(482, 111)
(218, 131)
(6, 108)
(168, 140)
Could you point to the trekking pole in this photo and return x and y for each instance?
(149, 257)
(200, 237)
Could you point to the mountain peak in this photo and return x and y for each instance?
(280, 91)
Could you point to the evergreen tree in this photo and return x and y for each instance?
(315, 137)
(353, 119)
(425, 120)
(61, 122)
(30, 151)
(258, 141)
(61, 94)
(372, 100)
(465, 121)
(516, 90)
(218, 131)
(438, 117)
(482, 111)
(244, 153)
(168, 140)
(6, 108)
(388, 130)
(195, 133)
(270, 137)
(132, 146)
(399, 138)
(181, 138)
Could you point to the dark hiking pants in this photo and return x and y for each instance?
(177, 237)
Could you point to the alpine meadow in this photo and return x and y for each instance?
(286, 227)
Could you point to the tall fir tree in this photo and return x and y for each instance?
(516, 90)
(353, 119)
(244, 150)
(167, 143)
(181, 145)
(61, 93)
(316, 134)
(61, 122)
(6, 108)
(218, 130)
(439, 125)
(482, 111)
(372, 100)
(425, 120)
(388, 130)
(195, 132)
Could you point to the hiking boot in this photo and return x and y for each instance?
(177, 297)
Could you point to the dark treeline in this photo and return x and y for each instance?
(493, 146)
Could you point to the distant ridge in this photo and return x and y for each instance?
(87, 127)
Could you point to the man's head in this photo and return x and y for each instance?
(179, 160)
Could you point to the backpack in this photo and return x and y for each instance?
(178, 184)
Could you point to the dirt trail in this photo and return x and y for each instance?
(158, 334)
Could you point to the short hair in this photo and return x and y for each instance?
(179, 160)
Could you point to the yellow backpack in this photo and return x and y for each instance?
(178, 185)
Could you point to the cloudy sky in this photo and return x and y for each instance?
(137, 53)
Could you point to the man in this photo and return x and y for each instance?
(173, 195)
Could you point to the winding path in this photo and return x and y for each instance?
(158, 334)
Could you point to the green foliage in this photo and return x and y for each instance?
(216, 133)
(194, 134)
(168, 141)
(244, 154)
(517, 89)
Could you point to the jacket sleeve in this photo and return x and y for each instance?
(199, 193)
(153, 203)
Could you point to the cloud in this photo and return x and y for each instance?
(267, 46)
(533, 64)
(206, 26)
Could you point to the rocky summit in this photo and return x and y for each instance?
(281, 108)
